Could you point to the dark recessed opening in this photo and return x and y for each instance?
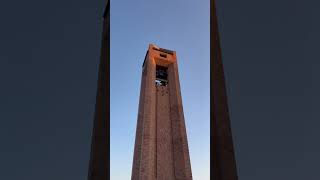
(163, 55)
(161, 76)
(163, 50)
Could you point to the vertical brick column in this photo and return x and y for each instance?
(145, 148)
(182, 167)
(138, 141)
(147, 164)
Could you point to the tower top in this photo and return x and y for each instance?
(160, 56)
(155, 47)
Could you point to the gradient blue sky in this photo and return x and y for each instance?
(180, 25)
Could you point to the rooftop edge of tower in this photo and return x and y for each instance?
(155, 47)
(160, 56)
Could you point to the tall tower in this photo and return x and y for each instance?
(161, 147)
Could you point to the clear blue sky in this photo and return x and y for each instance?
(180, 25)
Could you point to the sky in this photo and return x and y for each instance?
(49, 57)
(167, 24)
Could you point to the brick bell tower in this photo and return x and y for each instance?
(161, 147)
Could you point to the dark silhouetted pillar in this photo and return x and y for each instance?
(223, 159)
(99, 157)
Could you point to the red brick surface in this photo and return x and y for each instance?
(161, 148)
